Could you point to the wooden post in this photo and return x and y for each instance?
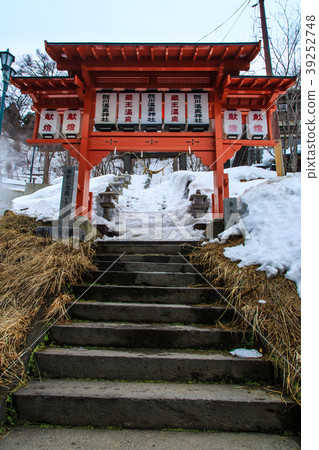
(275, 134)
(37, 121)
(280, 166)
(82, 197)
(218, 166)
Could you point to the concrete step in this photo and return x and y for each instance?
(30, 438)
(127, 335)
(146, 278)
(150, 313)
(146, 243)
(141, 258)
(147, 294)
(155, 406)
(145, 247)
(151, 365)
(145, 267)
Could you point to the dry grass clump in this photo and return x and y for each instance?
(276, 323)
(35, 274)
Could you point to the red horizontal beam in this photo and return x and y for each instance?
(164, 142)
(250, 142)
(53, 141)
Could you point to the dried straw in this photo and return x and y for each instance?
(35, 274)
(278, 320)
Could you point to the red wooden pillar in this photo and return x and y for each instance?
(218, 166)
(37, 121)
(82, 197)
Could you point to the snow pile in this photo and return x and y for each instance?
(271, 213)
(243, 177)
(45, 203)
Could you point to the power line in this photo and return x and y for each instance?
(219, 26)
(236, 21)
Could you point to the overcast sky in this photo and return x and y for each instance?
(25, 25)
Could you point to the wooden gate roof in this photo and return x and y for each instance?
(234, 56)
(160, 66)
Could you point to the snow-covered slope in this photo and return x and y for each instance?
(157, 212)
(271, 213)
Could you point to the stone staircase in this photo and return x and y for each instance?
(144, 351)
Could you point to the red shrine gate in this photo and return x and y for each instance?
(153, 98)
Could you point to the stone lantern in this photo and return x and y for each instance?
(107, 202)
(127, 179)
(199, 204)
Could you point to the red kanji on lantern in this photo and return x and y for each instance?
(232, 116)
(257, 117)
(174, 97)
(47, 127)
(233, 128)
(128, 97)
(174, 111)
(258, 128)
(70, 127)
(128, 119)
(71, 116)
(174, 119)
(48, 116)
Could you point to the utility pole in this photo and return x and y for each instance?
(280, 167)
(265, 38)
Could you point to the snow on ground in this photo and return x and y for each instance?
(11, 184)
(243, 177)
(269, 207)
(45, 203)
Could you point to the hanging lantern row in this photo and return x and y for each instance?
(128, 119)
(126, 116)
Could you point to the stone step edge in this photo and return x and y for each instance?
(152, 365)
(215, 305)
(145, 243)
(200, 388)
(119, 272)
(202, 355)
(147, 326)
(155, 405)
(167, 288)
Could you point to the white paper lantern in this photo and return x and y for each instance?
(232, 124)
(71, 126)
(129, 108)
(105, 111)
(151, 116)
(256, 125)
(49, 126)
(197, 111)
(174, 111)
